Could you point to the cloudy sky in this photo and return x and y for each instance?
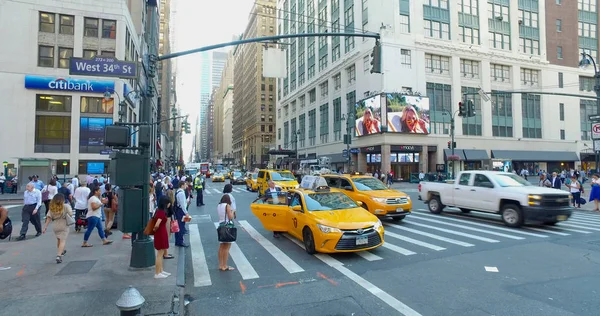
(197, 23)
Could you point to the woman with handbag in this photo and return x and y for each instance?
(161, 236)
(225, 217)
(48, 193)
(61, 216)
(94, 218)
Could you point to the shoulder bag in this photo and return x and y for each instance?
(149, 230)
(70, 219)
(45, 194)
(227, 232)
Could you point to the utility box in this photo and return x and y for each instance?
(129, 216)
(127, 170)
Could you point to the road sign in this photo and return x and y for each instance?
(594, 118)
(102, 66)
(595, 130)
(354, 150)
(482, 94)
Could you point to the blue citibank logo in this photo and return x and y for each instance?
(68, 84)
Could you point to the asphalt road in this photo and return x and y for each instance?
(450, 264)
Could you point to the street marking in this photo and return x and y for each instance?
(578, 221)
(545, 230)
(579, 226)
(201, 274)
(491, 269)
(414, 241)
(399, 250)
(470, 228)
(241, 262)
(587, 218)
(567, 229)
(282, 258)
(456, 233)
(369, 256)
(216, 191)
(432, 236)
(485, 225)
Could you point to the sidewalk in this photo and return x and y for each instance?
(89, 281)
(9, 197)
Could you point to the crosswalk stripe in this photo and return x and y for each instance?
(547, 231)
(579, 221)
(579, 226)
(200, 267)
(241, 262)
(286, 262)
(369, 256)
(484, 225)
(471, 228)
(568, 229)
(216, 191)
(456, 233)
(414, 241)
(432, 236)
(399, 250)
(587, 218)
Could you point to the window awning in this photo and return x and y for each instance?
(535, 156)
(458, 152)
(476, 154)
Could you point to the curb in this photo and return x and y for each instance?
(179, 295)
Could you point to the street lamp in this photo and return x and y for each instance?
(64, 163)
(108, 96)
(586, 61)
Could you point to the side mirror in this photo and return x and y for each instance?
(297, 208)
(349, 188)
(359, 203)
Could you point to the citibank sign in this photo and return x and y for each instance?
(68, 84)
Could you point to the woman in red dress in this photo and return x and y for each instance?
(161, 236)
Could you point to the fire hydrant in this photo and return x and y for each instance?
(130, 303)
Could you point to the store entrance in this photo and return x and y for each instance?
(403, 171)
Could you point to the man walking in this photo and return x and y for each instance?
(32, 198)
(199, 186)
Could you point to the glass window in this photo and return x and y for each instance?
(90, 27)
(46, 56)
(464, 179)
(89, 53)
(97, 105)
(52, 134)
(328, 201)
(109, 29)
(107, 53)
(67, 24)
(53, 103)
(64, 54)
(91, 133)
(47, 22)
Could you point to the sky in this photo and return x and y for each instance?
(198, 23)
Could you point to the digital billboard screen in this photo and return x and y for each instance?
(407, 114)
(368, 116)
(95, 167)
(91, 130)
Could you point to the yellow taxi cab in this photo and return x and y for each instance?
(374, 195)
(325, 220)
(283, 179)
(218, 177)
(251, 184)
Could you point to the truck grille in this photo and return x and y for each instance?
(348, 241)
(401, 200)
(555, 200)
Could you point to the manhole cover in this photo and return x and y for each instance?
(77, 267)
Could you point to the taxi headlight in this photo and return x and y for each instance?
(327, 229)
(379, 200)
(407, 197)
(377, 225)
(296, 186)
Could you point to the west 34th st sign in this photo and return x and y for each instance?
(102, 66)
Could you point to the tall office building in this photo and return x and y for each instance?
(223, 113)
(254, 98)
(210, 76)
(438, 53)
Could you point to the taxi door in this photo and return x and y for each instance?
(272, 211)
(297, 219)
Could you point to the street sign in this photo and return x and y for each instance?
(105, 152)
(102, 66)
(594, 118)
(596, 145)
(482, 94)
(354, 150)
(595, 130)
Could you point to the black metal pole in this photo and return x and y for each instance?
(597, 88)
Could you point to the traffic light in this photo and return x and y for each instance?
(376, 58)
(470, 108)
(185, 127)
(152, 63)
(449, 143)
(461, 109)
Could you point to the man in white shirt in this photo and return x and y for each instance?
(75, 182)
(273, 193)
(181, 204)
(2, 180)
(81, 200)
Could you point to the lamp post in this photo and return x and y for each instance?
(108, 96)
(586, 60)
(5, 165)
(64, 163)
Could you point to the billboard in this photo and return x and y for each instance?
(95, 167)
(407, 114)
(91, 130)
(368, 116)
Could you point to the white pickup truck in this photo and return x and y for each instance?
(507, 194)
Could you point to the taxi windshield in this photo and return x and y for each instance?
(237, 174)
(282, 176)
(218, 174)
(328, 201)
(368, 184)
(510, 180)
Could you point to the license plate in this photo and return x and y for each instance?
(362, 240)
(561, 217)
(399, 209)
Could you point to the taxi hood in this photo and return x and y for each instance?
(384, 193)
(353, 218)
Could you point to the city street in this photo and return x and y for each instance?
(450, 264)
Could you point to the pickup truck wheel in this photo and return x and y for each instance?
(512, 216)
(435, 205)
(309, 241)
(465, 210)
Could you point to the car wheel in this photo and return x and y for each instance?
(512, 216)
(309, 241)
(465, 210)
(550, 223)
(398, 218)
(435, 205)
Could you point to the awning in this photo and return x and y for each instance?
(458, 152)
(476, 154)
(281, 152)
(535, 156)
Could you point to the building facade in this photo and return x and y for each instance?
(442, 53)
(222, 126)
(254, 98)
(59, 123)
(211, 70)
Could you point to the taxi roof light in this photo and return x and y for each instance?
(314, 183)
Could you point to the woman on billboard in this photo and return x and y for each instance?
(408, 121)
(367, 124)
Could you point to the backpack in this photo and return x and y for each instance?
(158, 188)
(7, 229)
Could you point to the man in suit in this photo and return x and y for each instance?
(556, 182)
(272, 193)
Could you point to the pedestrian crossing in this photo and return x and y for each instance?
(256, 254)
(219, 191)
